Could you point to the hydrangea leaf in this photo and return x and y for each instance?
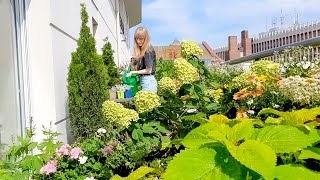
(294, 118)
(202, 163)
(255, 156)
(241, 131)
(286, 139)
(310, 153)
(288, 172)
(200, 135)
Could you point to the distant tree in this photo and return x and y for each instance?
(107, 56)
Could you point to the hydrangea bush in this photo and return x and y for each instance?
(190, 48)
(118, 115)
(167, 84)
(185, 72)
(146, 101)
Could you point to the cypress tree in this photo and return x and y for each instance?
(87, 84)
(107, 56)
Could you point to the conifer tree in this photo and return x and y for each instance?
(87, 84)
(107, 56)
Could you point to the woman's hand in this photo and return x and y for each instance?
(129, 74)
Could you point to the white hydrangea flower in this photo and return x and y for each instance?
(83, 159)
(102, 130)
(250, 102)
(90, 178)
(250, 111)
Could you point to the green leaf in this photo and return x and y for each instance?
(139, 173)
(137, 134)
(241, 131)
(294, 118)
(194, 164)
(218, 118)
(199, 135)
(289, 172)
(256, 156)
(165, 142)
(212, 106)
(310, 153)
(286, 139)
(149, 130)
(195, 118)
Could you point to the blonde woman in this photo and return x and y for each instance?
(146, 67)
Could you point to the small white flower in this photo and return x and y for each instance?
(298, 64)
(191, 110)
(250, 102)
(306, 65)
(90, 178)
(276, 106)
(102, 130)
(83, 159)
(250, 111)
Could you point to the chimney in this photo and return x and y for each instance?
(246, 43)
(233, 52)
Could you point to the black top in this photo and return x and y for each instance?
(148, 60)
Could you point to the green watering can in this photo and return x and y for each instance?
(132, 81)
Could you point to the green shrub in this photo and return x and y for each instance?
(107, 56)
(87, 84)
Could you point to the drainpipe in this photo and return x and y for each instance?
(118, 31)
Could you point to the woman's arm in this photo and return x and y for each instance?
(147, 70)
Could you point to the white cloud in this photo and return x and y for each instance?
(214, 21)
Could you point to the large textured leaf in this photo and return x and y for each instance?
(287, 172)
(294, 118)
(195, 118)
(286, 139)
(135, 175)
(196, 164)
(219, 118)
(310, 153)
(241, 131)
(256, 156)
(199, 136)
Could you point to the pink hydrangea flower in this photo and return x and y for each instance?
(50, 167)
(63, 150)
(75, 153)
(107, 150)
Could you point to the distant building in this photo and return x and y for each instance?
(173, 51)
(275, 37)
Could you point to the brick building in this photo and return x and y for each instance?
(173, 51)
(275, 37)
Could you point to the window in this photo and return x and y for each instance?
(94, 26)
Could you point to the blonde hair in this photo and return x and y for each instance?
(141, 32)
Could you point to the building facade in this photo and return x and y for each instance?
(275, 37)
(37, 38)
(173, 51)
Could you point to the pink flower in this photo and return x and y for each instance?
(75, 153)
(106, 150)
(49, 168)
(63, 150)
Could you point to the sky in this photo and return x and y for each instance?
(214, 20)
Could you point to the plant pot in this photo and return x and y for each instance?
(120, 94)
(113, 94)
(128, 93)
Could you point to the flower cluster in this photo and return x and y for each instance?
(301, 90)
(146, 101)
(243, 80)
(65, 150)
(119, 115)
(167, 84)
(267, 68)
(190, 48)
(185, 72)
(214, 94)
(50, 167)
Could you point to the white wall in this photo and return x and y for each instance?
(41, 65)
(64, 26)
(9, 125)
